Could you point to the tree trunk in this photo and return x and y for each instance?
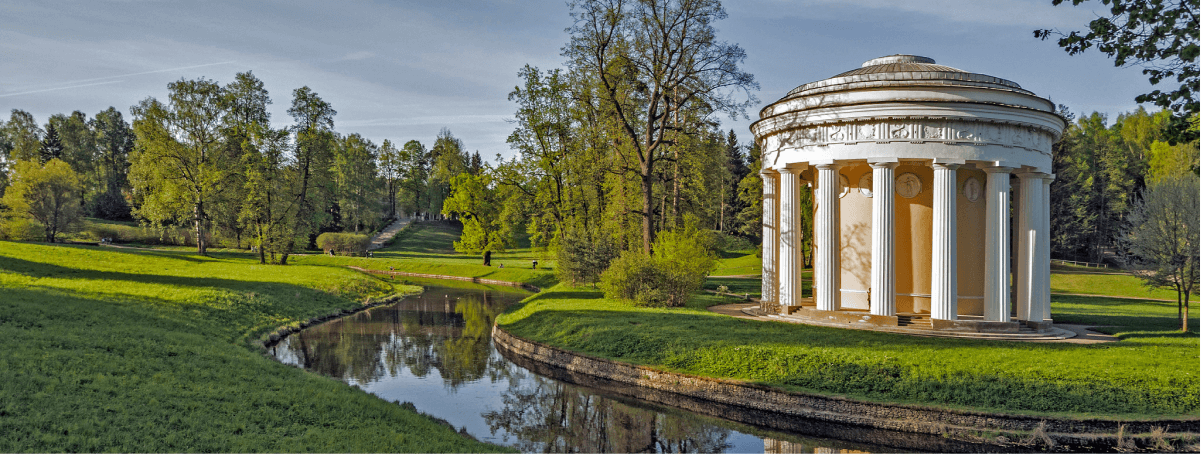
(197, 218)
(647, 210)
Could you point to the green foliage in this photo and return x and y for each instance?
(1165, 227)
(344, 243)
(677, 269)
(1158, 35)
(48, 194)
(583, 256)
(1151, 372)
(475, 200)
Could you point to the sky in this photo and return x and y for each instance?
(402, 70)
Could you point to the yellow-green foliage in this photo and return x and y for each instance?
(344, 243)
(134, 350)
(1151, 372)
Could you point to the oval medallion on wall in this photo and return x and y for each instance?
(865, 184)
(909, 185)
(972, 189)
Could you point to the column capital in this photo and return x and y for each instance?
(766, 172)
(1049, 177)
(883, 163)
(1030, 174)
(793, 170)
(828, 164)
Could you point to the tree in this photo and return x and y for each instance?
(391, 170)
(1162, 238)
(357, 185)
(51, 146)
(114, 142)
(181, 164)
(1161, 36)
(415, 175)
(48, 193)
(23, 135)
(447, 160)
(314, 144)
(651, 59)
(475, 200)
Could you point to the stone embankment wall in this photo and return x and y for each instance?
(885, 424)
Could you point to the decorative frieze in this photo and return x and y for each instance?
(948, 131)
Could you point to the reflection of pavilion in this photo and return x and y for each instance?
(910, 164)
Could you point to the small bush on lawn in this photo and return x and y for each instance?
(682, 259)
(344, 243)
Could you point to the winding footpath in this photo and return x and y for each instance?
(387, 233)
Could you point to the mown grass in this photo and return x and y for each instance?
(738, 263)
(1091, 281)
(428, 248)
(141, 350)
(1151, 372)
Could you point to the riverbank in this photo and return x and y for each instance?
(1150, 374)
(141, 350)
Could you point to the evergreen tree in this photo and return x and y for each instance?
(51, 146)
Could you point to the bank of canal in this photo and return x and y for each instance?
(435, 350)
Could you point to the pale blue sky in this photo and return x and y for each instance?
(403, 70)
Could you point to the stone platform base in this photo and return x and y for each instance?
(916, 324)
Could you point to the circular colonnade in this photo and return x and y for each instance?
(930, 185)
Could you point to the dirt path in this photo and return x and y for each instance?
(387, 233)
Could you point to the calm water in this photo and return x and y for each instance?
(435, 351)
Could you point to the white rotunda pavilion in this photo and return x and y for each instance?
(912, 166)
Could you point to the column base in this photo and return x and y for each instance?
(975, 326)
(770, 307)
(858, 318)
(1041, 327)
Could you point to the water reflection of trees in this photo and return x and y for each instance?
(447, 332)
(550, 416)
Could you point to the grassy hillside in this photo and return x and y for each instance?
(429, 248)
(135, 350)
(1151, 372)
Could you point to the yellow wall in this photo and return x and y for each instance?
(855, 214)
(914, 229)
(971, 245)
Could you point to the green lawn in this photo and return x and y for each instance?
(142, 350)
(1091, 281)
(427, 248)
(1151, 372)
(738, 263)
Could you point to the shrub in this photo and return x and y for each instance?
(344, 243)
(677, 269)
(731, 242)
(582, 257)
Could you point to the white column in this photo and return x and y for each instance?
(790, 239)
(771, 190)
(1027, 240)
(996, 236)
(944, 280)
(1044, 253)
(884, 272)
(826, 270)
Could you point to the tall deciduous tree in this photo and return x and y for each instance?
(415, 177)
(314, 143)
(652, 58)
(1163, 238)
(1161, 36)
(23, 135)
(357, 185)
(181, 164)
(47, 193)
(391, 170)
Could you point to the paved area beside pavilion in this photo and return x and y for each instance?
(1066, 333)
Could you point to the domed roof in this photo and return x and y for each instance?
(903, 70)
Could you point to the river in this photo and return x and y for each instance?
(435, 351)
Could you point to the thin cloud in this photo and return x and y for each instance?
(110, 79)
(59, 88)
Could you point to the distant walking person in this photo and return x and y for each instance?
(487, 258)
(535, 263)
